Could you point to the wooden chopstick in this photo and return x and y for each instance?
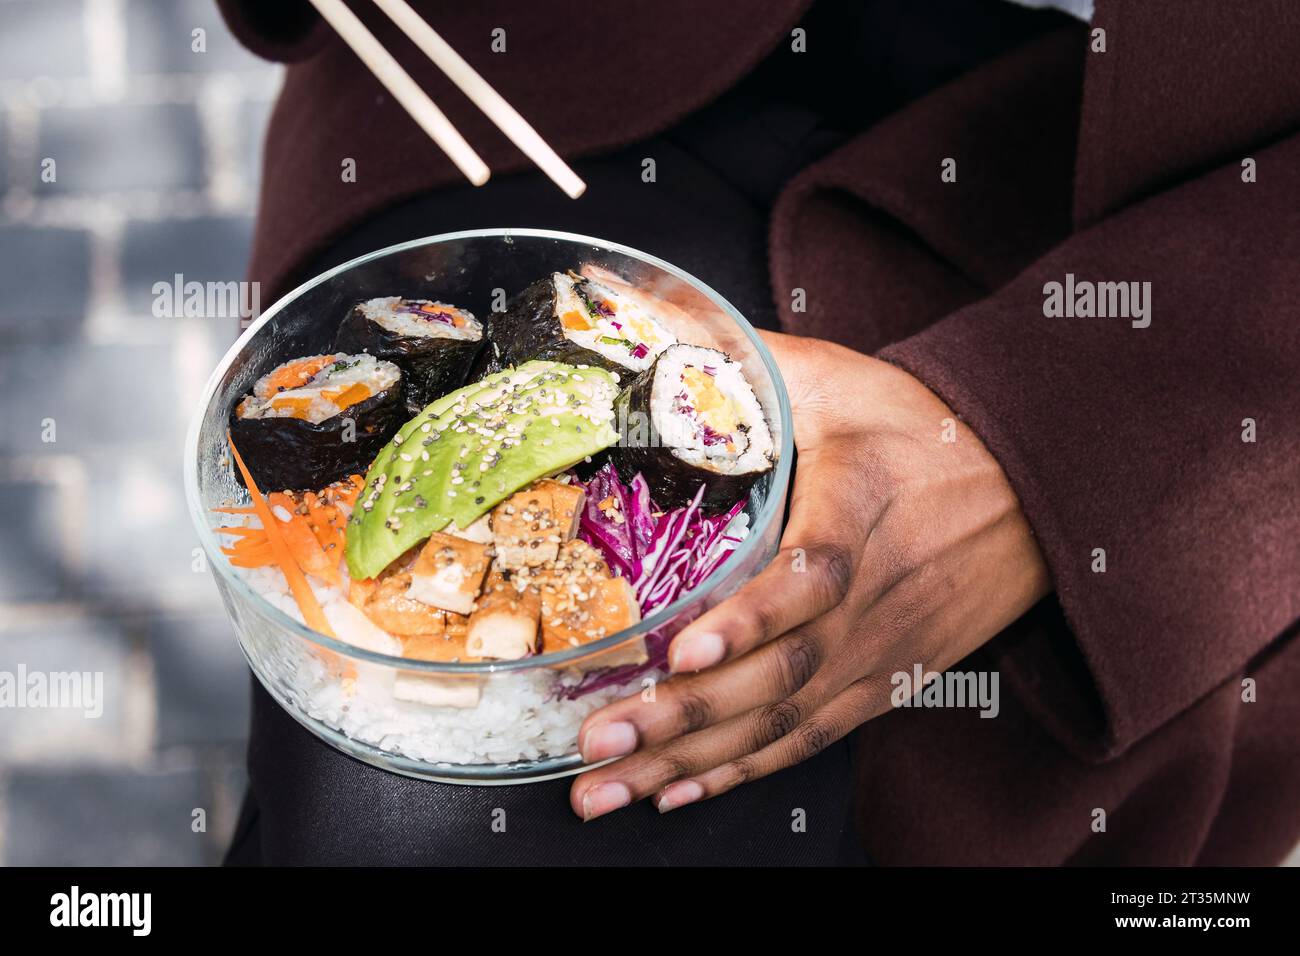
(505, 116)
(404, 89)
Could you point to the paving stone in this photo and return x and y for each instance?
(200, 250)
(141, 543)
(201, 680)
(101, 397)
(70, 644)
(123, 147)
(45, 275)
(31, 567)
(160, 39)
(111, 818)
(42, 38)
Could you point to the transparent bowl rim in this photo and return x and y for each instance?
(770, 511)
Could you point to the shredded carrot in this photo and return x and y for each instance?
(573, 319)
(242, 561)
(313, 515)
(347, 396)
(251, 547)
(301, 590)
(239, 530)
(326, 522)
(248, 546)
(302, 543)
(300, 406)
(294, 374)
(349, 493)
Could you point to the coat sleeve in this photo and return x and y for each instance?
(285, 31)
(1173, 450)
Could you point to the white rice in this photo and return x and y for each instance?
(344, 370)
(631, 322)
(518, 716)
(388, 313)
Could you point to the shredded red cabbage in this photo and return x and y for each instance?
(420, 312)
(662, 555)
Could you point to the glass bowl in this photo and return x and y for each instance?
(525, 722)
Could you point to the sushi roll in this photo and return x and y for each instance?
(433, 344)
(315, 420)
(577, 320)
(691, 419)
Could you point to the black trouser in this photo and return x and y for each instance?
(716, 175)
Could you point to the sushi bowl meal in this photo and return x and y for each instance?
(459, 493)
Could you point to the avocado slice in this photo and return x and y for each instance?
(473, 448)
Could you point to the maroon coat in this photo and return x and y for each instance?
(1117, 166)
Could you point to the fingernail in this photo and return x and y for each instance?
(603, 741)
(694, 652)
(678, 795)
(604, 798)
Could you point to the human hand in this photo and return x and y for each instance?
(905, 545)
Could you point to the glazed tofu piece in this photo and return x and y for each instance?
(437, 690)
(505, 621)
(443, 647)
(528, 530)
(360, 590)
(479, 530)
(434, 690)
(579, 609)
(583, 603)
(449, 573)
(612, 608)
(392, 608)
(457, 626)
(566, 505)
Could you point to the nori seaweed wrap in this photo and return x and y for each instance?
(433, 344)
(292, 430)
(567, 318)
(691, 419)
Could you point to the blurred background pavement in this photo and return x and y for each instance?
(155, 132)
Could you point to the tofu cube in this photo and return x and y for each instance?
(613, 608)
(631, 652)
(504, 624)
(437, 690)
(360, 591)
(434, 690)
(449, 573)
(613, 605)
(590, 608)
(390, 607)
(457, 626)
(443, 647)
(525, 530)
(567, 501)
(479, 530)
